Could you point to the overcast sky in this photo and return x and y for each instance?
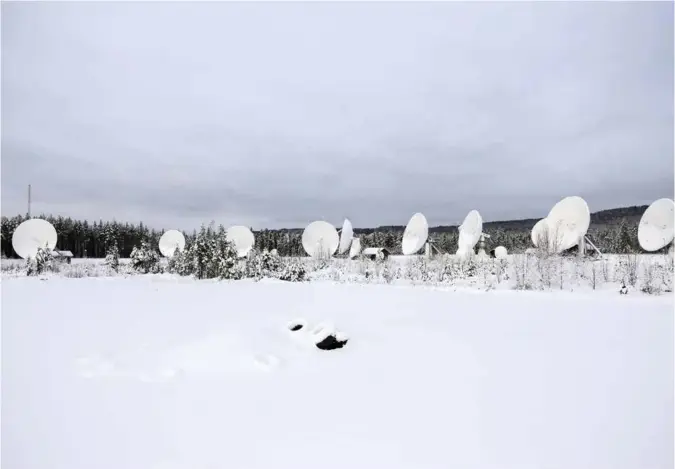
(274, 115)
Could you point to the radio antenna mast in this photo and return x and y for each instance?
(28, 200)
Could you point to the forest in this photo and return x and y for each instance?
(612, 231)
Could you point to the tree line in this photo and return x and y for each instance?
(85, 239)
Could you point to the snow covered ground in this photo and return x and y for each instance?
(156, 371)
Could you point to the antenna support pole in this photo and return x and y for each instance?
(585, 238)
(28, 200)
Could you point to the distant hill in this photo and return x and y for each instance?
(613, 216)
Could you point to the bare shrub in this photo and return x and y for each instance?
(651, 280)
(417, 270)
(545, 270)
(628, 269)
(501, 270)
(548, 241)
(605, 271)
(521, 271)
(390, 271)
(668, 273)
(594, 276)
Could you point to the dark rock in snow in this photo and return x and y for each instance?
(331, 343)
(295, 327)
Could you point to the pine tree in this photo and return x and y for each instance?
(623, 244)
(112, 257)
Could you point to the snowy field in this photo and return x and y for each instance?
(158, 371)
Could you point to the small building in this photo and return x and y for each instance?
(376, 253)
(62, 256)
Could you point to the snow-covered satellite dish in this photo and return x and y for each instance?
(355, 249)
(346, 236)
(539, 232)
(171, 241)
(501, 252)
(415, 234)
(657, 225)
(242, 238)
(320, 239)
(567, 223)
(31, 235)
(470, 231)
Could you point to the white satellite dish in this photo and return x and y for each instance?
(501, 252)
(657, 225)
(355, 249)
(539, 232)
(567, 223)
(33, 234)
(346, 236)
(415, 234)
(320, 239)
(171, 241)
(242, 238)
(470, 231)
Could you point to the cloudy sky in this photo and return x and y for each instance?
(274, 115)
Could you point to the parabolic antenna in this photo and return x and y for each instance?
(355, 249)
(415, 234)
(242, 238)
(657, 225)
(501, 252)
(171, 241)
(31, 235)
(320, 239)
(470, 231)
(539, 232)
(567, 222)
(346, 236)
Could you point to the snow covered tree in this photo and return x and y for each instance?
(42, 262)
(144, 259)
(293, 272)
(112, 257)
(224, 260)
(209, 255)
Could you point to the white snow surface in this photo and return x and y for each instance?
(156, 371)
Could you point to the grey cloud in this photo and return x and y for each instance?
(277, 114)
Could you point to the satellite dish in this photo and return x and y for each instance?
(501, 252)
(346, 236)
(242, 238)
(415, 234)
(355, 249)
(31, 235)
(470, 231)
(320, 239)
(539, 232)
(171, 241)
(567, 223)
(657, 225)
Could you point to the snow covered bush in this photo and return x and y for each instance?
(417, 269)
(144, 259)
(263, 264)
(293, 272)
